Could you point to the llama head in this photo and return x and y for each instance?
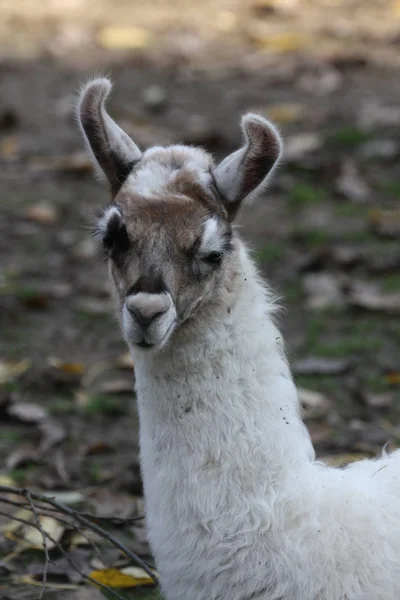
(168, 230)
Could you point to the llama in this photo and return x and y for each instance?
(237, 506)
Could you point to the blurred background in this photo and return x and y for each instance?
(326, 234)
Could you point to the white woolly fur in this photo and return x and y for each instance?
(237, 506)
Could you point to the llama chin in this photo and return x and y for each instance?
(237, 506)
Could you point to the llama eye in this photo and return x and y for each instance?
(213, 258)
(116, 237)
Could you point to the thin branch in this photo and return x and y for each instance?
(84, 521)
(44, 540)
(118, 521)
(65, 554)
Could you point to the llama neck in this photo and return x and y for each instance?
(224, 392)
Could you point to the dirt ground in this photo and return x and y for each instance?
(326, 235)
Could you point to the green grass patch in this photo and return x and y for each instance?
(348, 209)
(303, 194)
(104, 405)
(313, 237)
(357, 337)
(347, 346)
(363, 236)
(390, 187)
(20, 475)
(270, 253)
(292, 292)
(10, 435)
(95, 474)
(319, 383)
(391, 283)
(61, 406)
(376, 382)
(348, 135)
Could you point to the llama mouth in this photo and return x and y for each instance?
(147, 345)
(144, 344)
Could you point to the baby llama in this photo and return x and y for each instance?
(237, 507)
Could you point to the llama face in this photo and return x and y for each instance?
(167, 255)
(168, 232)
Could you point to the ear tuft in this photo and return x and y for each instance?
(262, 133)
(244, 174)
(92, 95)
(112, 149)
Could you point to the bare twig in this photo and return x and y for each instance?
(66, 555)
(44, 540)
(118, 521)
(76, 515)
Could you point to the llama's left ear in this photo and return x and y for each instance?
(244, 174)
(113, 150)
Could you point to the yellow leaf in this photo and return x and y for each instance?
(136, 572)
(392, 378)
(9, 147)
(342, 460)
(285, 113)
(119, 579)
(11, 369)
(52, 527)
(124, 38)
(283, 42)
(70, 368)
(6, 480)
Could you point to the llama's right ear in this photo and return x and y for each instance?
(113, 150)
(244, 174)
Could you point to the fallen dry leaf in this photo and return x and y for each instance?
(384, 400)
(319, 432)
(317, 365)
(351, 184)
(323, 290)
(124, 361)
(10, 370)
(69, 498)
(11, 525)
(300, 144)
(33, 537)
(122, 578)
(285, 113)
(370, 297)
(108, 503)
(385, 222)
(342, 460)
(27, 412)
(9, 147)
(124, 38)
(315, 405)
(6, 480)
(52, 434)
(69, 368)
(42, 213)
(392, 378)
(290, 41)
(25, 453)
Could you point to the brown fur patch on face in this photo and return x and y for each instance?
(187, 185)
